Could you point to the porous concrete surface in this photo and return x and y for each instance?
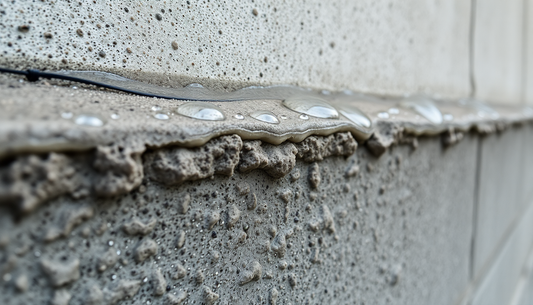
(131, 212)
(499, 58)
(368, 231)
(389, 48)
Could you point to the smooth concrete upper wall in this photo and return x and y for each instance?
(498, 50)
(528, 75)
(384, 47)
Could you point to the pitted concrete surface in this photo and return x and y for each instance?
(390, 48)
(136, 216)
(355, 229)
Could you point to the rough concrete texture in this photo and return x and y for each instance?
(379, 47)
(368, 237)
(498, 45)
(103, 214)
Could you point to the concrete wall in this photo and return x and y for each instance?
(502, 239)
(498, 46)
(464, 213)
(444, 48)
(391, 48)
(398, 232)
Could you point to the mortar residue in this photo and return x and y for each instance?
(116, 170)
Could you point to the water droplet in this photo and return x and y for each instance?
(110, 243)
(383, 115)
(145, 280)
(528, 111)
(447, 117)
(37, 254)
(425, 107)
(265, 116)
(156, 108)
(114, 277)
(202, 111)
(89, 120)
(115, 116)
(74, 87)
(312, 106)
(195, 85)
(482, 110)
(118, 252)
(239, 116)
(394, 111)
(356, 116)
(283, 117)
(66, 115)
(161, 116)
(304, 116)
(347, 92)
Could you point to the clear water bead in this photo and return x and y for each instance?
(425, 107)
(156, 108)
(239, 116)
(195, 85)
(161, 116)
(201, 111)
(383, 115)
(115, 116)
(482, 110)
(89, 120)
(447, 117)
(265, 116)
(528, 111)
(312, 106)
(394, 111)
(304, 116)
(356, 116)
(66, 115)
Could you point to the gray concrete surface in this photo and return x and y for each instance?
(500, 189)
(139, 209)
(237, 221)
(528, 60)
(498, 50)
(384, 48)
(498, 286)
(366, 239)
